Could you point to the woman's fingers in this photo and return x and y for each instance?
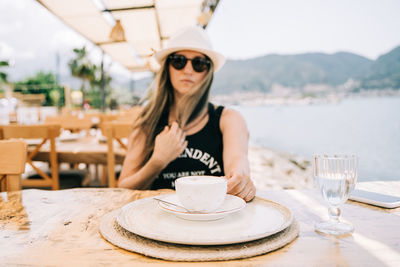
(164, 131)
(172, 142)
(241, 186)
(236, 186)
(177, 133)
(251, 194)
(174, 128)
(183, 137)
(248, 192)
(184, 145)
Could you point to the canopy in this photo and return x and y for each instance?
(146, 24)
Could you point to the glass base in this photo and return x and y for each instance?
(334, 228)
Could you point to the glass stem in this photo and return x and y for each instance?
(334, 214)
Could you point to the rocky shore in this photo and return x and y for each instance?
(276, 170)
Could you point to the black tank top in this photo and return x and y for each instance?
(202, 156)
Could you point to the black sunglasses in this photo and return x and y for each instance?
(199, 64)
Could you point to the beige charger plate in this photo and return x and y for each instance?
(260, 218)
(115, 234)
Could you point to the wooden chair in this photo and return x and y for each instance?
(104, 118)
(114, 131)
(71, 122)
(12, 164)
(45, 132)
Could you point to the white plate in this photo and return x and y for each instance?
(260, 218)
(68, 137)
(231, 204)
(33, 142)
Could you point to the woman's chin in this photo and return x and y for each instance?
(184, 90)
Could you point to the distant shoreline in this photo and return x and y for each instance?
(265, 99)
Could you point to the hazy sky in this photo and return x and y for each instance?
(242, 29)
(239, 29)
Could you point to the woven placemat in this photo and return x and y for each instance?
(115, 234)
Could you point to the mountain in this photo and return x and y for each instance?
(295, 72)
(384, 72)
(259, 74)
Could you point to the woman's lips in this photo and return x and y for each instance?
(187, 81)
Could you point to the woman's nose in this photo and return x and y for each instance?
(188, 67)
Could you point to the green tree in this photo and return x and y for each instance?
(82, 68)
(3, 75)
(95, 94)
(42, 83)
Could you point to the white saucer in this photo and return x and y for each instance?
(258, 219)
(231, 204)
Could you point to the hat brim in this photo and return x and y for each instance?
(217, 58)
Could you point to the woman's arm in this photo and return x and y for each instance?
(169, 144)
(132, 174)
(235, 154)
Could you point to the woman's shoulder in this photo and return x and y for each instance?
(229, 113)
(230, 118)
(226, 113)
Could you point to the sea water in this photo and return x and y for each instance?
(367, 127)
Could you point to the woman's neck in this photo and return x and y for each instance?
(189, 127)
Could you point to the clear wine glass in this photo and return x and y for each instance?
(336, 176)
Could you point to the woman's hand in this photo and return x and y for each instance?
(240, 184)
(169, 144)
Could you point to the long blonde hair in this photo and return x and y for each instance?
(154, 115)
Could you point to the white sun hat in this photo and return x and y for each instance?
(191, 38)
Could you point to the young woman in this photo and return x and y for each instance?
(178, 132)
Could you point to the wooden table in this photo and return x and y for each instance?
(88, 150)
(56, 228)
(84, 150)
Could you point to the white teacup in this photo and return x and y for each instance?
(201, 193)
